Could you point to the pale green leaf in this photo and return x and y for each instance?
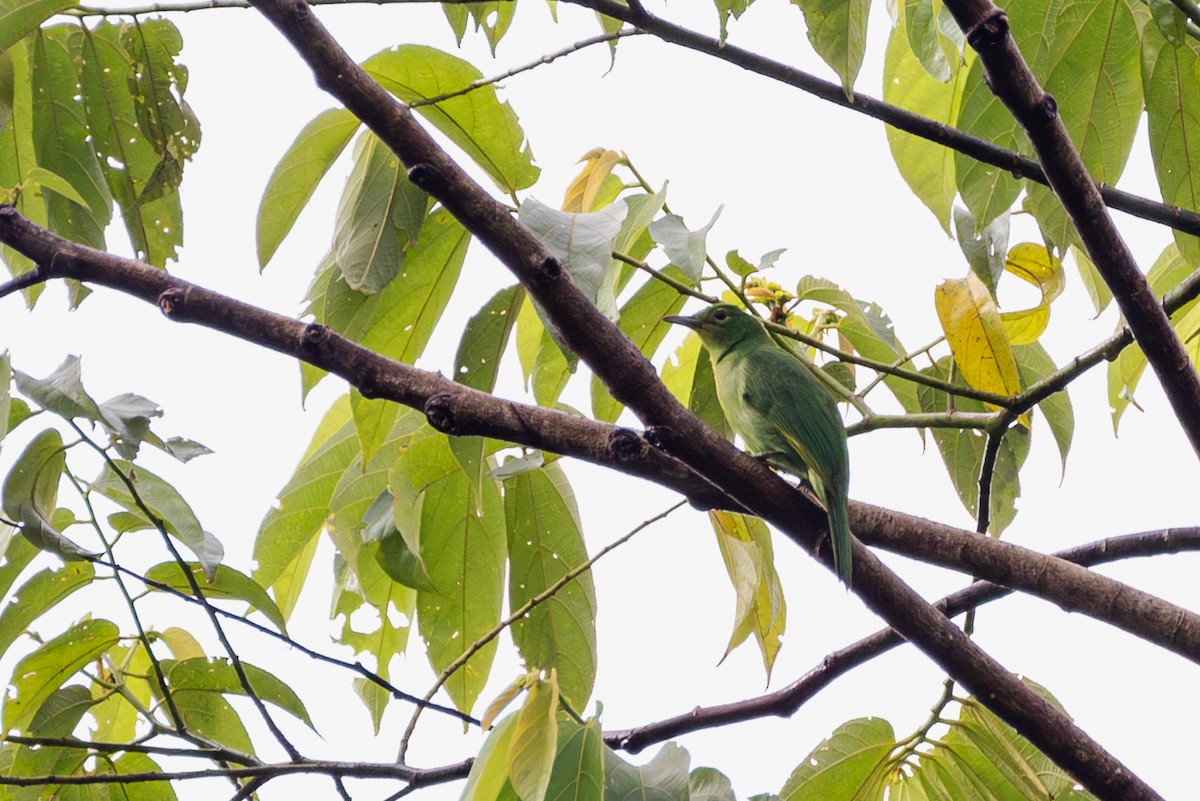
(534, 741)
(40, 673)
(841, 764)
(227, 583)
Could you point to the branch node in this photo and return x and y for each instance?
(170, 301)
(315, 336)
(550, 267)
(423, 175)
(1045, 112)
(661, 438)
(989, 32)
(368, 385)
(439, 411)
(626, 445)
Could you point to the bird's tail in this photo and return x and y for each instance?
(839, 532)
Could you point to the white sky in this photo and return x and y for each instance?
(792, 172)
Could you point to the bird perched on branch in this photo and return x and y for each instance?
(781, 410)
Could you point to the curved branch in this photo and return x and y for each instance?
(786, 701)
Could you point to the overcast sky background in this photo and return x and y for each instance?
(791, 172)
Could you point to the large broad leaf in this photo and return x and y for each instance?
(297, 174)
(465, 554)
(578, 773)
(489, 772)
(545, 541)
(988, 191)
(687, 249)
(1173, 111)
(287, 536)
(486, 129)
(745, 544)
(18, 160)
(42, 672)
(379, 215)
(534, 741)
(843, 765)
(1034, 364)
(41, 593)
(61, 392)
(976, 335)
(583, 243)
(142, 169)
(227, 583)
(927, 167)
(33, 479)
(120, 481)
(203, 706)
(62, 140)
(838, 32)
(664, 778)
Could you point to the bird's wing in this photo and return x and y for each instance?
(792, 400)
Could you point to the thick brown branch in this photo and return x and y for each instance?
(1010, 79)
(785, 702)
(632, 380)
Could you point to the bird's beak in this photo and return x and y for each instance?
(689, 322)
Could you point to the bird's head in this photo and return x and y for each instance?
(721, 324)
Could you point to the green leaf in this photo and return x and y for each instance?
(842, 764)
(1097, 290)
(465, 556)
(745, 544)
(664, 778)
(220, 676)
(8, 410)
(489, 772)
(728, 8)
(17, 157)
(927, 167)
(60, 392)
(1034, 364)
(578, 773)
(838, 32)
(583, 244)
(297, 174)
(141, 791)
(206, 712)
(182, 644)
(710, 784)
(986, 250)
(163, 502)
(287, 536)
(49, 180)
(19, 17)
(143, 171)
(227, 583)
(373, 420)
(40, 673)
(486, 129)
(61, 712)
(379, 216)
(640, 320)
(686, 249)
(412, 304)
(545, 541)
(33, 479)
(1173, 113)
(128, 416)
(62, 139)
(41, 593)
(534, 741)
(988, 191)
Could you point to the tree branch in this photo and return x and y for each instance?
(632, 380)
(786, 701)
(1009, 77)
(901, 119)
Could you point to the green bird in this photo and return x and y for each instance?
(781, 410)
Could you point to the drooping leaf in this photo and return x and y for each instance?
(297, 175)
(1035, 265)
(578, 773)
(745, 545)
(545, 541)
(489, 772)
(976, 335)
(486, 129)
(842, 764)
(227, 583)
(219, 676)
(986, 250)
(379, 216)
(120, 481)
(40, 673)
(664, 778)
(583, 191)
(838, 32)
(61, 712)
(1034, 364)
(583, 243)
(33, 478)
(61, 392)
(534, 741)
(687, 249)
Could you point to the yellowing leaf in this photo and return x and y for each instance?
(976, 335)
(531, 754)
(1035, 265)
(597, 166)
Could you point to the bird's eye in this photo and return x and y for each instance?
(721, 316)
